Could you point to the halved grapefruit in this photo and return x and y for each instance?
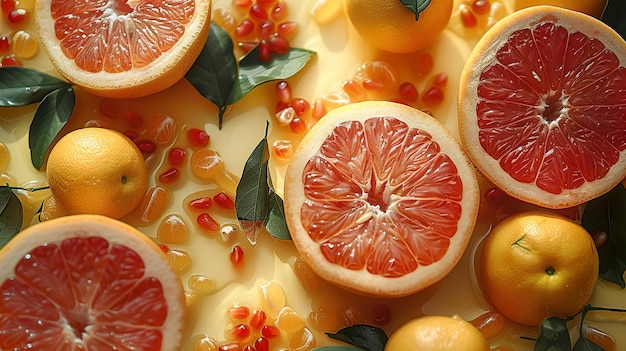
(88, 282)
(123, 48)
(542, 106)
(380, 199)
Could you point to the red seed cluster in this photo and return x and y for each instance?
(19, 44)
(290, 110)
(249, 330)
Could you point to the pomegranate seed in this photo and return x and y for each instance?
(283, 90)
(408, 91)
(441, 79)
(495, 196)
(239, 312)
(170, 176)
(248, 348)
(240, 332)
(198, 137)
(278, 44)
(237, 256)
(164, 248)
(287, 29)
(146, 146)
(244, 29)
(5, 44)
(8, 6)
(261, 344)
(300, 106)
(280, 106)
(258, 319)
(133, 119)
(257, 12)
(467, 17)
(282, 149)
(372, 85)
(270, 331)
(132, 135)
(233, 346)
(297, 125)
(285, 116)
(265, 52)
(224, 201)
(207, 223)
(266, 29)
(176, 156)
(202, 203)
(381, 314)
(481, 7)
(107, 109)
(279, 11)
(319, 109)
(433, 96)
(17, 16)
(10, 60)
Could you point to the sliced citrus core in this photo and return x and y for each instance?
(152, 42)
(542, 106)
(380, 199)
(90, 282)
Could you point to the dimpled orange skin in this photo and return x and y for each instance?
(534, 265)
(97, 171)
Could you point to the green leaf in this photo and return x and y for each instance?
(20, 86)
(254, 72)
(364, 336)
(416, 6)
(252, 195)
(553, 335)
(214, 72)
(606, 214)
(11, 215)
(52, 114)
(615, 16)
(275, 222)
(584, 344)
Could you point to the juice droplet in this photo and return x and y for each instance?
(289, 320)
(205, 344)
(489, 323)
(272, 298)
(173, 230)
(301, 340)
(181, 261)
(24, 44)
(326, 11)
(153, 204)
(305, 275)
(202, 284)
(206, 164)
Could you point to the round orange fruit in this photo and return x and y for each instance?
(88, 282)
(535, 265)
(380, 199)
(390, 26)
(123, 49)
(437, 333)
(97, 171)
(541, 106)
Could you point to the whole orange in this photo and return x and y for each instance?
(97, 171)
(535, 265)
(437, 333)
(390, 26)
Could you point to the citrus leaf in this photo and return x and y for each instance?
(20, 86)
(214, 72)
(606, 214)
(254, 72)
(275, 222)
(614, 16)
(252, 194)
(416, 6)
(52, 114)
(11, 215)
(584, 344)
(363, 336)
(553, 335)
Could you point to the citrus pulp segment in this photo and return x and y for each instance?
(542, 106)
(88, 282)
(123, 49)
(380, 199)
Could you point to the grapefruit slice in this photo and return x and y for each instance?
(380, 199)
(542, 106)
(88, 282)
(120, 48)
